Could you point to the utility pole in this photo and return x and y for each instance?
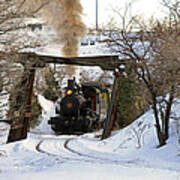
(96, 15)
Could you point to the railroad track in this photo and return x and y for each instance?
(66, 152)
(62, 149)
(100, 159)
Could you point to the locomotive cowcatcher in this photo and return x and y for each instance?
(77, 112)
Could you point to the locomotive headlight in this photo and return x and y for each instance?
(69, 92)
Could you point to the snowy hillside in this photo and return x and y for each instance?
(129, 154)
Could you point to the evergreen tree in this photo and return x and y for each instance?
(51, 91)
(128, 103)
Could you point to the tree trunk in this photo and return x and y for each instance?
(160, 135)
(168, 113)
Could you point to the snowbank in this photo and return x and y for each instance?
(48, 110)
(129, 154)
(4, 132)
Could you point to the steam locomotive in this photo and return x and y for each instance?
(78, 111)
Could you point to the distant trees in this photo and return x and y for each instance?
(153, 51)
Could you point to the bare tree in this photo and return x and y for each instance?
(14, 34)
(154, 53)
(14, 37)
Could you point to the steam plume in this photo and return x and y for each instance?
(65, 16)
(72, 27)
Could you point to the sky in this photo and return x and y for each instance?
(145, 8)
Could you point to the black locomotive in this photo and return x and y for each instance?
(77, 112)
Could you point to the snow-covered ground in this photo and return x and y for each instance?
(129, 154)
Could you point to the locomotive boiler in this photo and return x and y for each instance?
(78, 111)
